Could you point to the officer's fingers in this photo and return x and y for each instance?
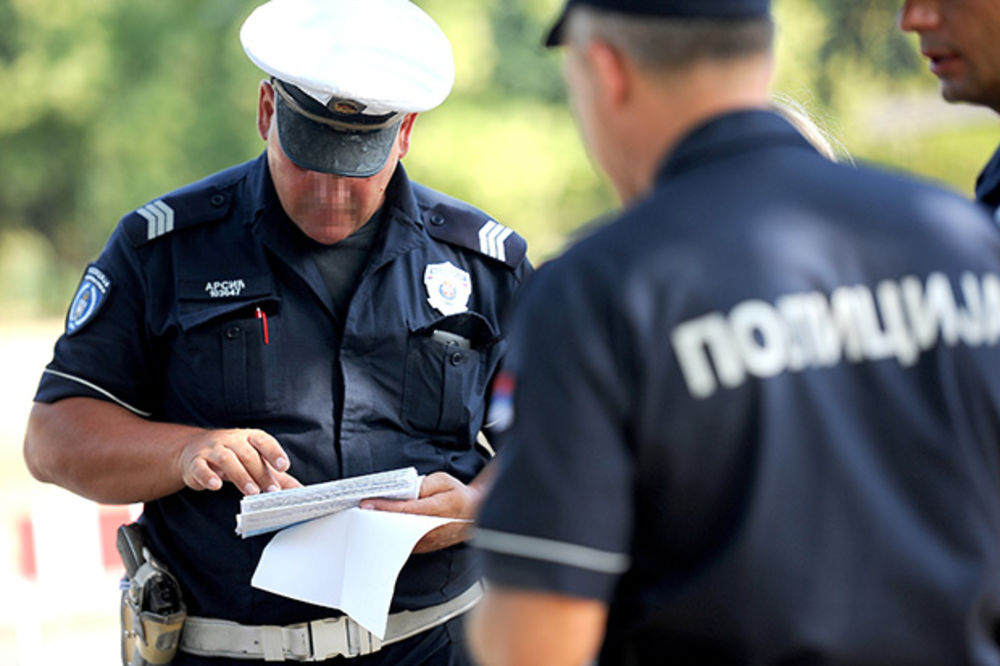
(261, 473)
(231, 466)
(436, 505)
(269, 449)
(286, 481)
(396, 506)
(439, 482)
(279, 481)
(448, 496)
(198, 475)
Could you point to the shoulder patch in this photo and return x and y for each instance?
(174, 212)
(90, 296)
(474, 230)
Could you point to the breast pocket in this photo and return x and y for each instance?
(446, 372)
(233, 353)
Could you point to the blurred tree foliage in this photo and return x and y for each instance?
(109, 103)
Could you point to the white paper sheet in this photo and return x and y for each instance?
(348, 561)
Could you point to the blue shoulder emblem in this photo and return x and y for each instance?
(90, 296)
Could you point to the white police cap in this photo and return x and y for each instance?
(381, 56)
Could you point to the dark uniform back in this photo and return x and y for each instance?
(759, 416)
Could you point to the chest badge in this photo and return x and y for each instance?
(89, 298)
(448, 288)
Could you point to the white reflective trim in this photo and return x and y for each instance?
(97, 388)
(561, 552)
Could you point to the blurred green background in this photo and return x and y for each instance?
(107, 104)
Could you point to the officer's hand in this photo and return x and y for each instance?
(441, 494)
(251, 460)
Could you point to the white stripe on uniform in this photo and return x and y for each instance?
(159, 219)
(491, 239)
(97, 388)
(536, 548)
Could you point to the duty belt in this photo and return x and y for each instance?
(317, 640)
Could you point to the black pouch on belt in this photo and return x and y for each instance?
(152, 610)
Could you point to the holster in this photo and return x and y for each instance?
(152, 610)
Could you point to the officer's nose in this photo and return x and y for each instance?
(333, 191)
(920, 15)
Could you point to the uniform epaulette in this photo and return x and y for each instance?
(175, 211)
(473, 229)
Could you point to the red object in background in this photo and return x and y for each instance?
(26, 563)
(109, 519)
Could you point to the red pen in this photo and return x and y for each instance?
(263, 323)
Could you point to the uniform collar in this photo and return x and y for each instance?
(262, 194)
(988, 183)
(728, 134)
(403, 227)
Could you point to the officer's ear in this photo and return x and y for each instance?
(265, 108)
(609, 71)
(404, 134)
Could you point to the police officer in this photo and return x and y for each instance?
(309, 315)
(959, 38)
(754, 420)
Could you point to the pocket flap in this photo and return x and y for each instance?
(202, 300)
(195, 313)
(472, 326)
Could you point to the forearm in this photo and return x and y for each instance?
(513, 627)
(104, 452)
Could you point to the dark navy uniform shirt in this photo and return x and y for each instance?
(166, 325)
(988, 185)
(759, 416)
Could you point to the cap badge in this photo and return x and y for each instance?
(448, 288)
(347, 107)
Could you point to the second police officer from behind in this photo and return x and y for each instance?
(770, 388)
(309, 315)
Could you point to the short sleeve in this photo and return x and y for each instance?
(558, 517)
(104, 351)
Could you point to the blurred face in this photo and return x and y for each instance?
(961, 39)
(326, 207)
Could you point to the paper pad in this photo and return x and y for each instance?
(348, 561)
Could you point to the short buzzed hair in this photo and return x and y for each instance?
(666, 42)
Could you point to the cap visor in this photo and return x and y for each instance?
(316, 147)
(555, 36)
